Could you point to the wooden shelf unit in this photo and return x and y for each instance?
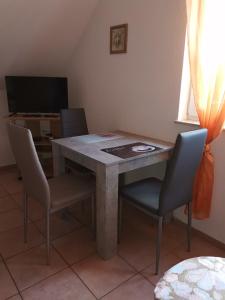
(33, 117)
(33, 122)
(42, 143)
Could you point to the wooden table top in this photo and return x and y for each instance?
(91, 145)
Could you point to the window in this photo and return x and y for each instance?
(187, 111)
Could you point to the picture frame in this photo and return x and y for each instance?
(118, 39)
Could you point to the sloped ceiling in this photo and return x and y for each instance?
(38, 37)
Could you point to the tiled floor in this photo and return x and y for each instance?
(76, 271)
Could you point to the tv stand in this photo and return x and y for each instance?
(35, 117)
(42, 141)
(31, 115)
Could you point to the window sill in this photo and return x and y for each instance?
(188, 122)
(191, 123)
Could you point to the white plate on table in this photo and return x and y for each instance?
(143, 148)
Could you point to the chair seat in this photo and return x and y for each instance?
(69, 188)
(144, 193)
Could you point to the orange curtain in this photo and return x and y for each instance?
(206, 46)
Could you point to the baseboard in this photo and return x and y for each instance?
(201, 234)
(8, 167)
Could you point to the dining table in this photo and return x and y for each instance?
(108, 155)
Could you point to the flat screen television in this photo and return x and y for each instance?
(28, 94)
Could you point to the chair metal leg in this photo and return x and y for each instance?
(19, 176)
(25, 210)
(189, 227)
(93, 215)
(120, 209)
(158, 244)
(47, 229)
(83, 208)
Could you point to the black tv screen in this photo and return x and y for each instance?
(36, 94)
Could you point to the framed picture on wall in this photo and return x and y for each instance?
(118, 39)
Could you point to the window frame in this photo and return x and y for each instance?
(186, 101)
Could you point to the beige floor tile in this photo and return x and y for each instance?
(60, 225)
(18, 198)
(141, 226)
(36, 210)
(16, 297)
(3, 192)
(81, 211)
(176, 231)
(136, 288)
(64, 285)
(101, 276)
(139, 235)
(7, 204)
(166, 262)
(137, 249)
(200, 247)
(13, 186)
(136, 218)
(113, 279)
(7, 176)
(7, 286)
(170, 243)
(76, 245)
(137, 242)
(30, 267)
(10, 220)
(12, 241)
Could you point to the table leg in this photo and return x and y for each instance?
(107, 210)
(58, 160)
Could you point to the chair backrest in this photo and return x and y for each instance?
(34, 180)
(73, 122)
(181, 169)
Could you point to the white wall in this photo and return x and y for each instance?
(139, 91)
(6, 157)
(132, 91)
(37, 38)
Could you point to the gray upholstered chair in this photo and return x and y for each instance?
(158, 198)
(73, 123)
(55, 194)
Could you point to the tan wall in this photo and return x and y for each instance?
(37, 37)
(139, 91)
(6, 157)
